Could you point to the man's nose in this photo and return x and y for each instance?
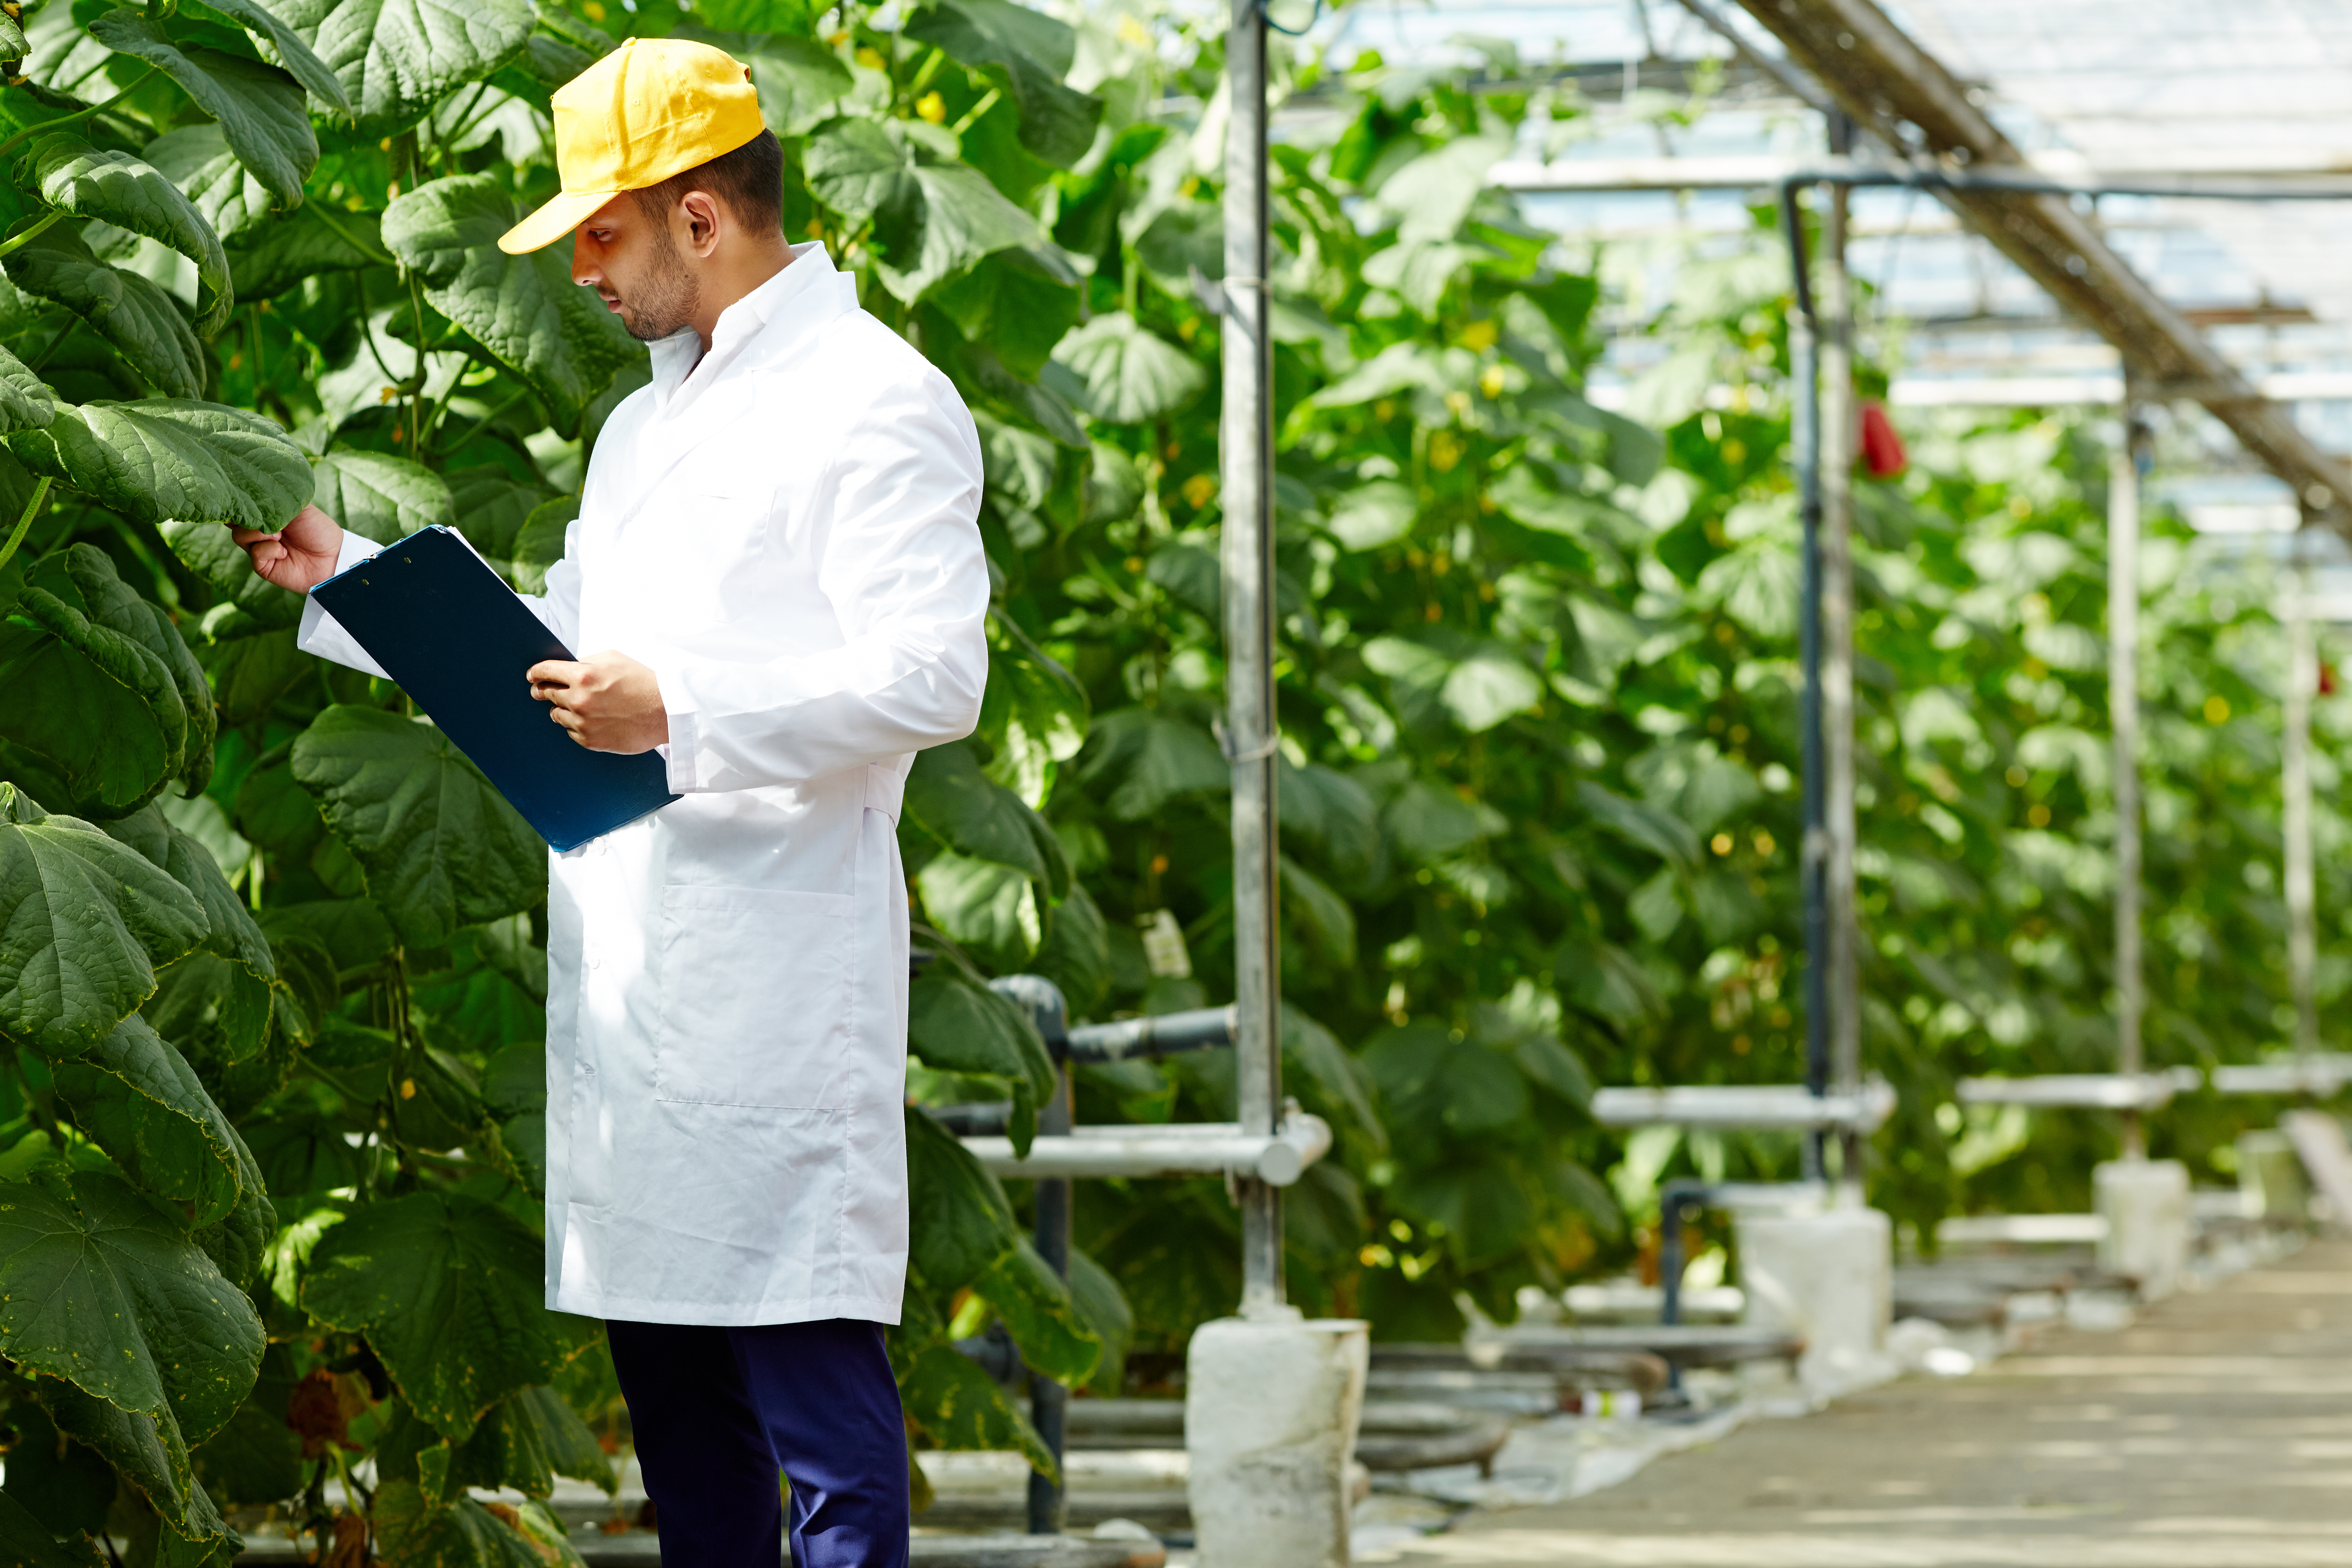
(584, 270)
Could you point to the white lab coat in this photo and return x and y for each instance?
(787, 537)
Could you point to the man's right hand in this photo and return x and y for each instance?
(299, 556)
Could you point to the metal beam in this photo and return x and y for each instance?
(1907, 97)
(1245, 463)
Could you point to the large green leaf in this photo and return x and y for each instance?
(25, 1541)
(441, 847)
(933, 218)
(137, 1097)
(960, 807)
(1035, 1304)
(1129, 373)
(290, 47)
(163, 459)
(132, 194)
(150, 1452)
(26, 401)
(958, 1220)
(107, 1292)
(418, 1533)
(491, 506)
(958, 1405)
(272, 257)
(83, 577)
(201, 165)
(84, 922)
(525, 1442)
(383, 497)
(958, 1026)
(447, 1290)
(395, 58)
(259, 108)
(524, 308)
(1154, 759)
(131, 312)
(235, 937)
(1032, 52)
(255, 1457)
(99, 706)
(244, 601)
(798, 78)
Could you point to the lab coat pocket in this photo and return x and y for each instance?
(756, 992)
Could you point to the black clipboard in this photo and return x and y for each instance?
(457, 638)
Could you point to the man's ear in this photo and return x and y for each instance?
(703, 222)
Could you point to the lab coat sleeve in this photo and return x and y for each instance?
(900, 562)
(321, 634)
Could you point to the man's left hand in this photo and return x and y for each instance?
(608, 700)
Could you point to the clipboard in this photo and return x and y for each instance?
(457, 640)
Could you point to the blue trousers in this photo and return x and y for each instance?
(718, 1412)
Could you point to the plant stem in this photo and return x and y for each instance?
(11, 246)
(971, 116)
(365, 247)
(17, 535)
(62, 120)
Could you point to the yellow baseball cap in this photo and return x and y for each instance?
(651, 109)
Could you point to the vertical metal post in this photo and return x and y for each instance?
(1805, 438)
(1245, 463)
(2123, 709)
(1839, 430)
(2302, 920)
(1048, 1400)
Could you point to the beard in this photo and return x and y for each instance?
(666, 300)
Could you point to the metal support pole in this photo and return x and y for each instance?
(1246, 463)
(1805, 438)
(1839, 430)
(1048, 1400)
(2301, 922)
(2125, 471)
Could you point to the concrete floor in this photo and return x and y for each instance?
(2215, 1433)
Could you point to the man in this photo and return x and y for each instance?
(777, 547)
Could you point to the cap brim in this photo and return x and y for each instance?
(567, 211)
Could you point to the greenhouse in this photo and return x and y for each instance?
(1647, 871)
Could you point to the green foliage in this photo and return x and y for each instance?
(272, 962)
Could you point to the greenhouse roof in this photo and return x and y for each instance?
(2086, 87)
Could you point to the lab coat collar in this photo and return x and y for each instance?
(802, 283)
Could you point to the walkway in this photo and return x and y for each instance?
(2216, 1433)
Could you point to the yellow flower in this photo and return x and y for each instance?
(1493, 382)
(1445, 450)
(1459, 402)
(1478, 336)
(1133, 34)
(1199, 489)
(870, 58)
(932, 107)
(2217, 709)
(594, 12)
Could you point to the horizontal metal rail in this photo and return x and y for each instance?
(1746, 1107)
(1180, 1149)
(2084, 1090)
(1597, 175)
(1203, 1029)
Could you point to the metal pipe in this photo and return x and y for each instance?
(1755, 1107)
(2301, 903)
(1812, 864)
(1200, 1029)
(2123, 475)
(1246, 465)
(1272, 1160)
(1839, 430)
(1048, 1400)
(1570, 176)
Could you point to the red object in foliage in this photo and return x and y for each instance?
(2326, 678)
(1882, 446)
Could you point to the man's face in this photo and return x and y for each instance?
(627, 255)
